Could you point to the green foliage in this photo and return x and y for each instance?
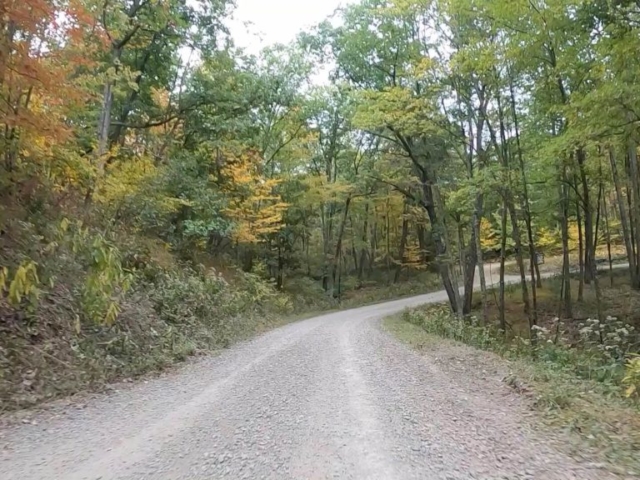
(438, 321)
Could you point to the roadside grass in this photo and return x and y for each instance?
(601, 425)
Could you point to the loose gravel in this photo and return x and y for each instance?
(333, 397)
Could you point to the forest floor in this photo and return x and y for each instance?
(333, 396)
(619, 300)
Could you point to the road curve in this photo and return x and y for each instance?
(332, 397)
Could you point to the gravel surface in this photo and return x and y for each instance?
(329, 397)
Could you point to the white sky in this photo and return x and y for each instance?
(277, 21)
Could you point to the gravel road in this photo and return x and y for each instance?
(329, 397)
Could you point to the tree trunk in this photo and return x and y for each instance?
(374, 245)
(363, 252)
(503, 257)
(403, 244)
(104, 124)
(388, 241)
(535, 281)
(338, 251)
(607, 233)
(566, 274)
(589, 250)
(477, 218)
(517, 240)
(442, 245)
(580, 253)
(624, 221)
(280, 277)
(634, 174)
(509, 203)
(461, 250)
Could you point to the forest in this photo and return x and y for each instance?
(163, 192)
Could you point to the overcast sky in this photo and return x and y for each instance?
(277, 21)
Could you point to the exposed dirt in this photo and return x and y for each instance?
(329, 397)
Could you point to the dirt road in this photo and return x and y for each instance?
(329, 397)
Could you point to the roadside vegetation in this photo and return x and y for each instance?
(582, 374)
(163, 192)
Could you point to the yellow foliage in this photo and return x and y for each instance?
(632, 377)
(124, 178)
(413, 257)
(253, 203)
(23, 285)
(574, 235)
(4, 278)
(320, 190)
(160, 97)
(547, 239)
(488, 238)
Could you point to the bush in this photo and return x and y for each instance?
(631, 379)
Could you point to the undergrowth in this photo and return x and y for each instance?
(588, 386)
(82, 306)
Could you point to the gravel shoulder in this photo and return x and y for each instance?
(334, 396)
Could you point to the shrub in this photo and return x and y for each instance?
(631, 379)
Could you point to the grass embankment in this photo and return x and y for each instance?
(573, 376)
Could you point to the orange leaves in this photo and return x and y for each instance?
(36, 68)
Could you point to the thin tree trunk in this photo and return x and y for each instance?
(403, 244)
(566, 274)
(607, 232)
(443, 246)
(624, 221)
(508, 200)
(461, 252)
(354, 252)
(526, 208)
(589, 251)
(634, 174)
(363, 252)
(338, 251)
(470, 262)
(374, 245)
(388, 241)
(517, 240)
(538, 276)
(503, 257)
(280, 277)
(580, 253)
(422, 241)
(480, 260)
